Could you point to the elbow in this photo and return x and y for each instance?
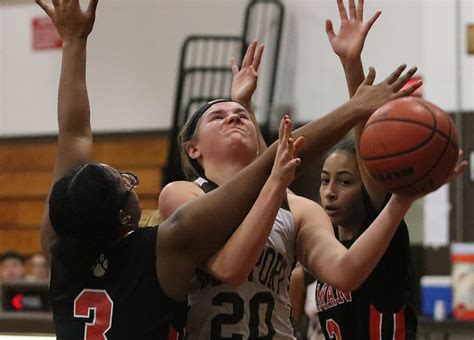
(236, 280)
(233, 278)
(347, 284)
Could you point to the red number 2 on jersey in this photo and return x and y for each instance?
(333, 329)
(100, 302)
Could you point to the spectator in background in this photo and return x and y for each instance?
(39, 269)
(12, 266)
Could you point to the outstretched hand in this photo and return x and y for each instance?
(244, 81)
(461, 165)
(70, 20)
(370, 97)
(286, 159)
(349, 42)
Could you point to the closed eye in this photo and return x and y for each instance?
(215, 117)
(243, 115)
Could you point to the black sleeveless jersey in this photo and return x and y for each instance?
(117, 297)
(382, 307)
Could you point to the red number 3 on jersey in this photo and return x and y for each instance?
(333, 329)
(100, 302)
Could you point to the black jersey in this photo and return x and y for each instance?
(382, 307)
(117, 297)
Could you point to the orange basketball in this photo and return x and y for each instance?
(409, 146)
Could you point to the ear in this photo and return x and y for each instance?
(193, 150)
(124, 218)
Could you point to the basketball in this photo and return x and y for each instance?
(409, 146)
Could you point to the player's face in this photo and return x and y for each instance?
(226, 127)
(130, 204)
(341, 189)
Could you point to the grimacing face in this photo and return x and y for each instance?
(225, 129)
(341, 189)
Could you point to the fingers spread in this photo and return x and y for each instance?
(233, 66)
(298, 144)
(258, 57)
(352, 9)
(360, 10)
(369, 80)
(248, 58)
(397, 85)
(396, 74)
(372, 20)
(92, 6)
(47, 8)
(409, 90)
(342, 10)
(329, 29)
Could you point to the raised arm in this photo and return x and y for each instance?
(75, 137)
(330, 261)
(244, 83)
(348, 45)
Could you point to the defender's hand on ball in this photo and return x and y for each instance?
(461, 165)
(370, 97)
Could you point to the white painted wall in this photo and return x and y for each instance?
(134, 51)
(132, 63)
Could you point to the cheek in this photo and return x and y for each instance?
(351, 198)
(208, 134)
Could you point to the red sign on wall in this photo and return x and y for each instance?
(45, 35)
(419, 91)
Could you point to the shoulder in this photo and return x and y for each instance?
(175, 194)
(301, 205)
(304, 209)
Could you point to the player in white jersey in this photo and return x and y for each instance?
(242, 292)
(260, 305)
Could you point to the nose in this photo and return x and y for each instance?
(233, 118)
(329, 191)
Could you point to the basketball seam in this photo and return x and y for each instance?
(434, 165)
(416, 147)
(439, 132)
(442, 134)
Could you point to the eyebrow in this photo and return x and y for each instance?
(221, 111)
(342, 172)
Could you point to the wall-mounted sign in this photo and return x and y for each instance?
(45, 35)
(419, 91)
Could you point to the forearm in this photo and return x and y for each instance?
(362, 257)
(322, 134)
(75, 136)
(73, 102)
(248, 241)
(354, 73)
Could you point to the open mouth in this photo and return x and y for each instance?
(330, 210)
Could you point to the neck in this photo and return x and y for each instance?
(220, 173)
(348, 232)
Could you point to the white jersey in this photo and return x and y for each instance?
(260, 307)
